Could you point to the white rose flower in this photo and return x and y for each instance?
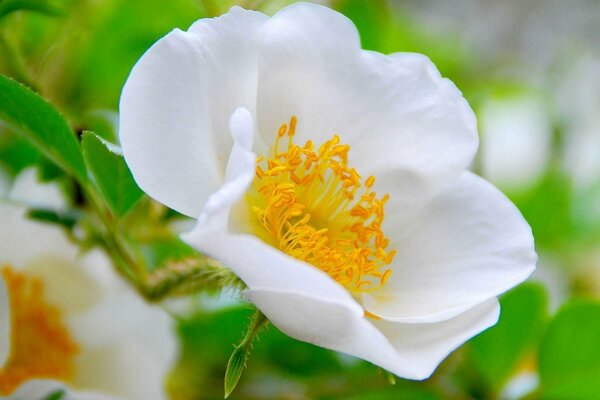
(340, 195)
(68, 318)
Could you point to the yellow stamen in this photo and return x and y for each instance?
(311, 205)
(371, 315)
(41, 346)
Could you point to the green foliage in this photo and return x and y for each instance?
(111, 174)
(164, 249)
(16, 153)
(39, 6)
(496, 352)
(64, 219)
(58, 395)
(547, 208)
(235, 367)
(569, 359)
(404, 393)
(239, 357)
(110, 36)
(38, 121)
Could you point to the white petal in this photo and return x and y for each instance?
(260, 265)
(4, 322)
(425, 345)
(176, 104)
(40, 389)
(408, 350)
(126, 353)
(403, 121)
(128, 369)
(28, 190)
(44, 251)
(466, 245)
(22, 240)
(238, 176)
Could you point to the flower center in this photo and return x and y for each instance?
(41, 346)
(311, 205)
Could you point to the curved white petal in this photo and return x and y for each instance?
(4, 322)
(411, 351)
(40, 389)
(464, 246)
(260, 265)
(425, 345)
(176, 104)
(405, 123)
(238, 176)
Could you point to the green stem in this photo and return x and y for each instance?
(112, 239)
(173, 279)
(188, 276)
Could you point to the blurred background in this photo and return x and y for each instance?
(531, 71)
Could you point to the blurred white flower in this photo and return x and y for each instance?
(516, 139)
(578, 106)
(68, 317)
(357, 228)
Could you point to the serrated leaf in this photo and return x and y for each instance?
(569, 358)
(39, 6)
(38, 121)
(111, 174)
(235, 367)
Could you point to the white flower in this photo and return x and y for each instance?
(68, 317)
(516, 139)
(314, 241)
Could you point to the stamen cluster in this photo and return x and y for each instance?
(316, 208)
(41, 346)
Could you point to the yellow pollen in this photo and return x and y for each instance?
(311, 205)
(41, 346)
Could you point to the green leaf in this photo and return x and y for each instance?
(569, 359)
(237, 361)
(235, 367)
(112, 176)
(38, 121)
(39, 6)
(58, 395)
(496, 352)
(16, 153)
(64, 219)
